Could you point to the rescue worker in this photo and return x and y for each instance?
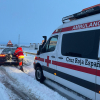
(19, 54)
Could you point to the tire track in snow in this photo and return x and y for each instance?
(6, 81)
(16, 91)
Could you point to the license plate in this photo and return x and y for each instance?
(9, 61)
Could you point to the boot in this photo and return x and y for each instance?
(21, 68)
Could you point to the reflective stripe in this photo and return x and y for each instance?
(20, 51)
(21, 56)
(81, 82)
(20, 63)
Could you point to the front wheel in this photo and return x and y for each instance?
(39, 74)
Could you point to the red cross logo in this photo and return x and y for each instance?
(48, 61)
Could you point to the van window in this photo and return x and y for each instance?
(80, 44)
(50, 45)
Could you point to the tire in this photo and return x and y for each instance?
(39, 75)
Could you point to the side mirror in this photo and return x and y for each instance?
(40, 48)
(45, 39)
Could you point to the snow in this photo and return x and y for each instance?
(28, 63)
(27, 82)
(2, 46)
(29, 70)
(3, 92)
(31, 50)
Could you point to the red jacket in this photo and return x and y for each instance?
(19, 53)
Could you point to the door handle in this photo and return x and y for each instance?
(60, 57)
(53, 56)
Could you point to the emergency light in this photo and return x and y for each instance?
(84, 13)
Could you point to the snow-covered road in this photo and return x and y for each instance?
(16, 85)
(11, 88)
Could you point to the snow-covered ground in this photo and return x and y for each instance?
(3, 92)
(31, 50)
(24, 85)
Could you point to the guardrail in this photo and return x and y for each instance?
(29, 53)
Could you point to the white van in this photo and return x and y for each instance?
(71, 55)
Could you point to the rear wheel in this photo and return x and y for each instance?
(39, 74)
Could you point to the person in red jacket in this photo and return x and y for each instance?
(19, 54)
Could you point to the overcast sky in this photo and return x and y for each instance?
(34, 18)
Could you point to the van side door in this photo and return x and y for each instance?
(75, 60)
(98, 67)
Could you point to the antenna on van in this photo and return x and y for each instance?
(84, 13)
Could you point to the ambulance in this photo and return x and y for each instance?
(71, 56)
